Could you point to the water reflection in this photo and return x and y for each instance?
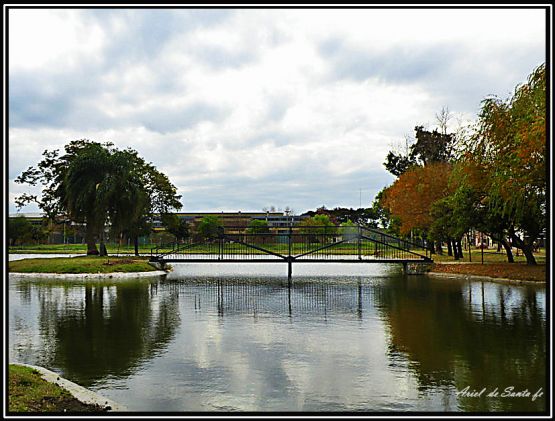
(475, 335)
(275, 297)
(95, 329)
(352, 343)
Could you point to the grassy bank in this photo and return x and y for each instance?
(490, 256)
(89, 264)
(515, 271)
(29, 392)
(75, 249)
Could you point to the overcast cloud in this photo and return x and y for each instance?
(245, 109)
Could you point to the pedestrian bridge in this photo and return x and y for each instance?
(312, 244)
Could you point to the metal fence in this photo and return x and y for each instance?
(309, 243)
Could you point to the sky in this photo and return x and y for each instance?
(247, 109)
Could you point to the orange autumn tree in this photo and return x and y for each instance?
(412, 195)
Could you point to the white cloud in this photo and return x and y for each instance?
(231, 106)
(40, 38)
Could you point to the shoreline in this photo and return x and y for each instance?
(111, 275)
(470, 277)
(80, 393)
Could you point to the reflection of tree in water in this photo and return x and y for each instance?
(103, 330)
(454, 336)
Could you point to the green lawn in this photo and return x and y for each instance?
(89, 264)
(75, 249)
(490, 256)
(29, 392)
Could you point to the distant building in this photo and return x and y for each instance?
(71, 232)
(235, 219)
(35, 218)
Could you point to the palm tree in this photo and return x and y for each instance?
(78, 190)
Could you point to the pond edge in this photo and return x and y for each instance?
(112, 275)
(80, 393)
(485, 278)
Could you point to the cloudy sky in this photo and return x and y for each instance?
(246, 109)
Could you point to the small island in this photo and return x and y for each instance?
(82, 265)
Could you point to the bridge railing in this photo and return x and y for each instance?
(163, 248)
(298, 242)
(418, 249)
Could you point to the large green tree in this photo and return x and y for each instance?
(510, 146)
(95, 183)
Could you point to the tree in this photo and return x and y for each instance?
(338, 215)
(209, 227)
(349, 230)
(411, 196)
(443, 118)
(175, 225)
(258, 226)
(430, 147)
(383, 217)
(18, 228)
(467, 204)
(317, 225)
(510, 144)
(398, 164)
(258, 229)
(95, 183)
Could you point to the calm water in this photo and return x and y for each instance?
(371, 340)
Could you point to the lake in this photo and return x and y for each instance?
(338, 337)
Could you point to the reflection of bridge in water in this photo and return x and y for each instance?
(314, 244)
(276, 298)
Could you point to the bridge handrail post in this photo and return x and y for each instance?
(359, 240)
(289, 239)
(220, 247)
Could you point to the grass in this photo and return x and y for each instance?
(516, 271)
(29, 392)
(89, 264)
(75, 248)
(495, 265)
(490, 256)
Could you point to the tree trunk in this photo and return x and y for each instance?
(439, 249)
(431, 247)
(508, 250)
(136, 244)
(449, 248)
(469, 247)
(455, 250)
(528, 250)
(459, 247)
(527, 247)
(91, 240)
(103, 251)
